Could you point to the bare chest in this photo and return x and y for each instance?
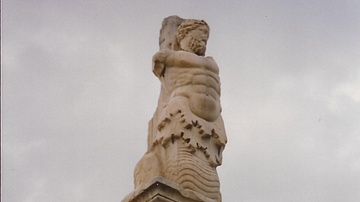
(183, 59)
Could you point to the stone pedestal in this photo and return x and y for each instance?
(159, 190)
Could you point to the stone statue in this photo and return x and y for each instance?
(186, 134)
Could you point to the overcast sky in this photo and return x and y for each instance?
(78, 92)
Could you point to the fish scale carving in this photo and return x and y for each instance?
(193, 173)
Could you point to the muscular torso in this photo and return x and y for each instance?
(196, 79)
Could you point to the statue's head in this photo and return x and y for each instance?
(193, 35)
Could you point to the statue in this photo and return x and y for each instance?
(186, 134)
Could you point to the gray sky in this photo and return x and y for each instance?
(78, 91)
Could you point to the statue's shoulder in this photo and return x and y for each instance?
(162, 55)
(161, 60)
(210, 58)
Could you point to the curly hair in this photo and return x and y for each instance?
(187, 26)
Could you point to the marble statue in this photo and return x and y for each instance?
(186, 135)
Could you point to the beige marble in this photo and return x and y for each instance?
(161, 190)
(186, 134)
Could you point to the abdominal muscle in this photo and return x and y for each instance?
(197, 81)
(205, 105)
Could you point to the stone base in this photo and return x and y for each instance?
(159, 190)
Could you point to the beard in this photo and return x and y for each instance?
(198, 46)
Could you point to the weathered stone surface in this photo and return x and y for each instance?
(161, 190)
(186, 135)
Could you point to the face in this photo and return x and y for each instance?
(195, 41)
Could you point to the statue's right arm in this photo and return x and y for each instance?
(159, 62)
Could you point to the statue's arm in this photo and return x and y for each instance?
(159, 62)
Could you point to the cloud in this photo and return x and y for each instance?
(78, 91)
